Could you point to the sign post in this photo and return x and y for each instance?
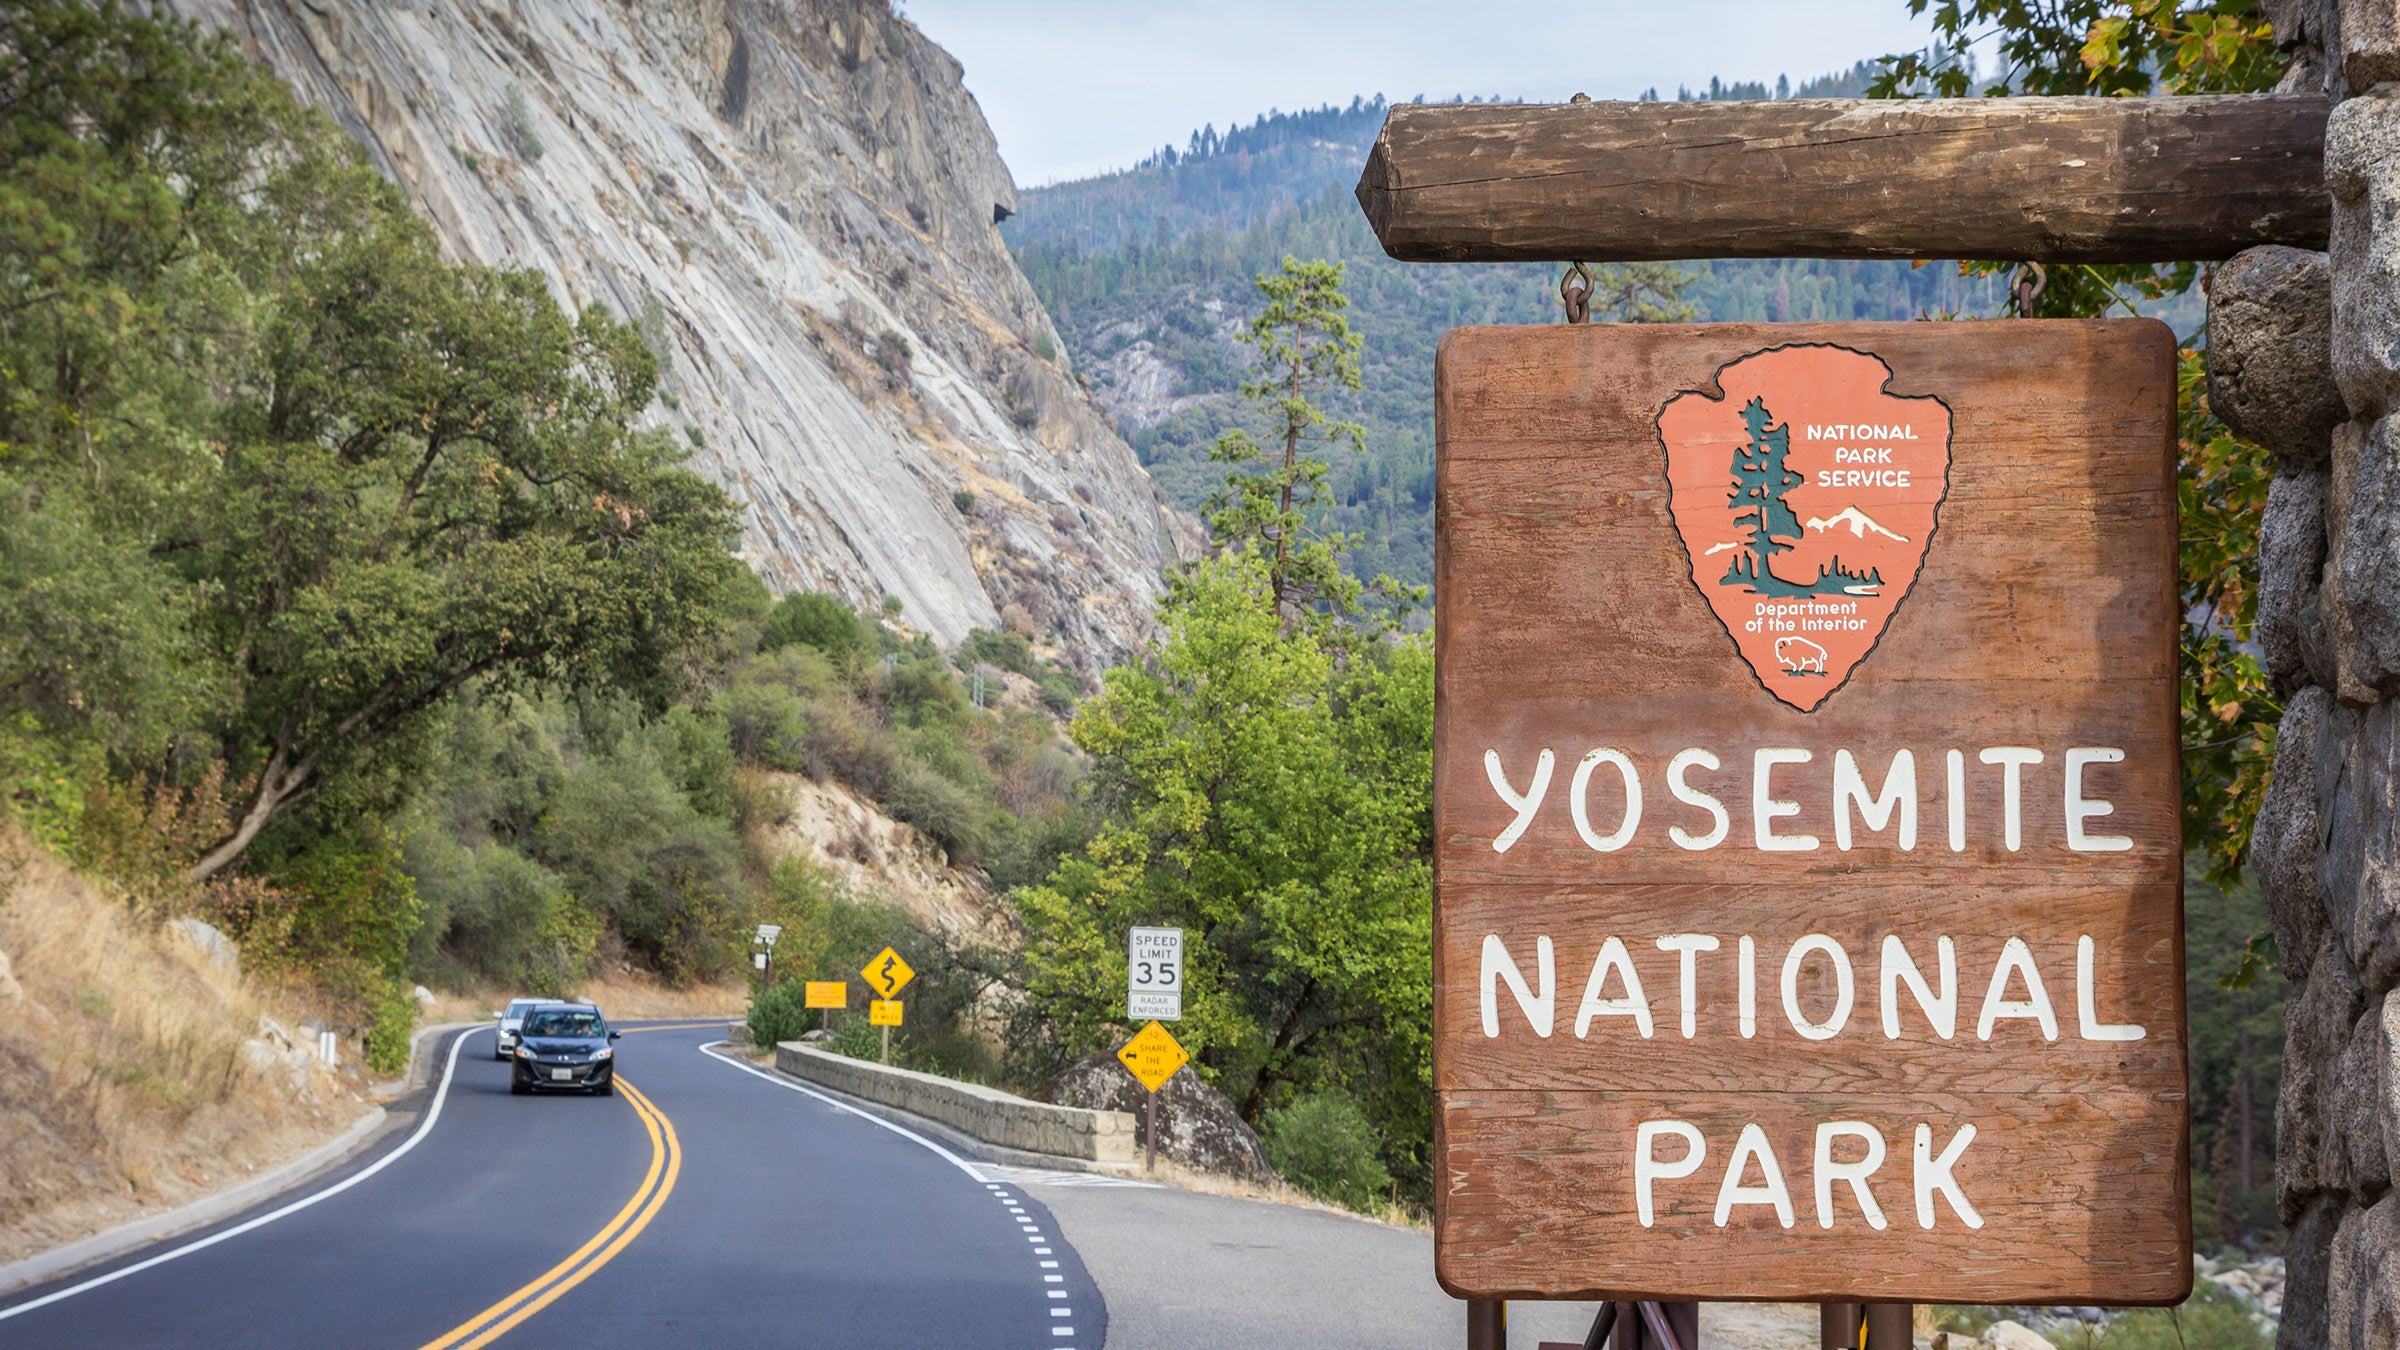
(765, 938)
(1153, 1055)
(1807, 815)
(886, 973)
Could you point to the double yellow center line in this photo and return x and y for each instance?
(666, 1163)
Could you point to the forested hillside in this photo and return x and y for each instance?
(355, 606)
(1147, 274)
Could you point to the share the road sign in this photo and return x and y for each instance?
(883, 1012)
(1153, 1055)
(828, 993)
(887, 974)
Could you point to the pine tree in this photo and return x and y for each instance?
(1305, 350)
(1649, 292)
(1760, 480)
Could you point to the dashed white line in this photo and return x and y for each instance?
(998, 1191)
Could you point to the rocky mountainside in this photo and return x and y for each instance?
(797, 200)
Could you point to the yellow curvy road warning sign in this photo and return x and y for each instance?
(883, 1012)
(1153, 1055)
(828, 993)
(887, 973)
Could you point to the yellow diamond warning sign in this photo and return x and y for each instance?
(886, 973)
(1153, 1055)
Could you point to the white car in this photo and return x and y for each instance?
(511, 1021)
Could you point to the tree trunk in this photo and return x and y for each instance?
(277, 786)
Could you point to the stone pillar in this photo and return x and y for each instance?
(2304, 358)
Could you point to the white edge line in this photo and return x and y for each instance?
(425, 1127)
(903, 1131)
(870, 1117)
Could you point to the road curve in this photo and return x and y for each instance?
(707, 1204)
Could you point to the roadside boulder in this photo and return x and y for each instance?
(212, 942)
(1197, 1125)
(2007, 1335)
(10, 990)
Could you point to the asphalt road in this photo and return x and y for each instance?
(707, 1204)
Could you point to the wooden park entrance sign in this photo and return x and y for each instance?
(1809, 922)
(1808, 911)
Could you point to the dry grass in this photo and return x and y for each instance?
(128, 1084)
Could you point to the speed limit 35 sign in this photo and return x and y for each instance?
(1154, 975)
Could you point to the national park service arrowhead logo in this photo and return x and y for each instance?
(1806, 496)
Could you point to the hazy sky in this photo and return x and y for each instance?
(1076, 87)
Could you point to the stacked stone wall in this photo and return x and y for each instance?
(2304, 358)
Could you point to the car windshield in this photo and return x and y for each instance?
(522, 1006)
(563, 1024)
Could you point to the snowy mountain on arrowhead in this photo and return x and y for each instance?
(1858, 521)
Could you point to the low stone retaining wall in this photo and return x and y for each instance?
(995, 1117)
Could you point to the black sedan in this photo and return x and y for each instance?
(565, 1046)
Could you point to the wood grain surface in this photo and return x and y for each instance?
(2044, 615)
(2055, 179)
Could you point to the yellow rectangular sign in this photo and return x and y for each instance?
(1153, 1055)
(887, 974)
(828, 993)
(884, 1012)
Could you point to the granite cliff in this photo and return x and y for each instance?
(797, 200)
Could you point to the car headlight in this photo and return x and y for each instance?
(524, 1052)
(604, 1052)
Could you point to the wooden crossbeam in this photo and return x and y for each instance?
(2086, 180)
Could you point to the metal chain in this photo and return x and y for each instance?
(1575, 293)
(1577, 298)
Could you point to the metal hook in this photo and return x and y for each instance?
(2028, 288)
(1577, 298)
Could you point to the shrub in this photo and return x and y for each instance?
(815, 619)
(924, 694)
(779, 1013)
(354, 914)
(1024, 849)
(517, 120)
(963, 500)
(856, 1037)
(1059, 691)
(1325, 1145)
(631, 845)
(845, 742)
(1044, 347)
(502, 915)
(702, 745)
(391, 1023)
(939, 807)
(766, 723)
(1012, 652)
